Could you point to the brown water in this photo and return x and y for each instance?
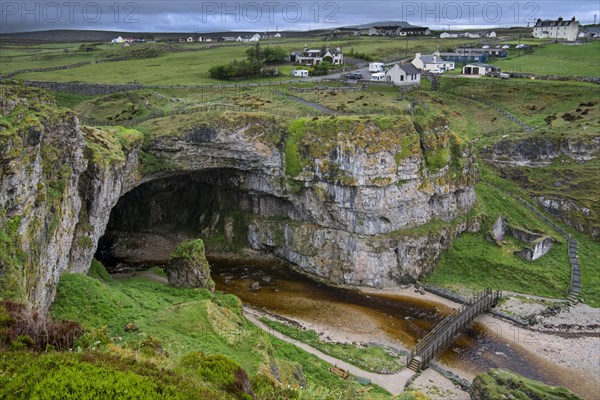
(388, 319)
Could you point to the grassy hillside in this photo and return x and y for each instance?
(188, 320)
(555, 59)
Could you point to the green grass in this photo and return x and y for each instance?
(369, 358)
(75, 376)
(501, 384)
(537, 103)
(566, 180)
(473, 263)
(168, 65)
(186, 320)
(555, 59)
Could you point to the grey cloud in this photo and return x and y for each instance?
(259, 15)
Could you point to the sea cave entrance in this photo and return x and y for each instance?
(216, 205)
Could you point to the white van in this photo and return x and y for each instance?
(301, 73)
(378, 76)
(376, 67)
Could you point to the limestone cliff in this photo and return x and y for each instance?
(560, 172)
(350, 200)
(56, 182)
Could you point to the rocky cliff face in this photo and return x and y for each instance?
(41, 160)
(540, 151)
(55, 185)
(369, 202)
(560, 173)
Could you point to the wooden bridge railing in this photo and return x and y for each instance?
(450, 326)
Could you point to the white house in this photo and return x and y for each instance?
(559, 29)
(314, 57)
(451, 35)
(404, 29)
(480, 69)
(403, 74)
(589, 32)
(190, 39)
(204, 39)
(118, 40)
(253, 38)
(430, 62)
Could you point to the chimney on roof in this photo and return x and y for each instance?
(560, 19)
(573, 19)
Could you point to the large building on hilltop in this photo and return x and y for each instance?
(559, 29)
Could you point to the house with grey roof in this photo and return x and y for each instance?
(559, 29)
(313, 57)
(432, 61)
(589, 32)
(481, 69)
(403, 75)
(399, 30)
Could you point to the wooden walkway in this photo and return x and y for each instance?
(453, 324)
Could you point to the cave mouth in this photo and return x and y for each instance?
(214, 205)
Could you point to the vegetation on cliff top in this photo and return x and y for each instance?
(322, 144)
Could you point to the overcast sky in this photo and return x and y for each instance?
(271, 15)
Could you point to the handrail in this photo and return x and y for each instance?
(442, 333)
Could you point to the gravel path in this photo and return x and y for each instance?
(392, 383)
(316, 106)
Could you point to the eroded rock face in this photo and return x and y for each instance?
(496, 234)
(540, 151)
(188, 266)
(41, 160)
(345, 213)
(538, 244)
(55, 196)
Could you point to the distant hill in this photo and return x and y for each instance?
(403, 24)
(66, 35)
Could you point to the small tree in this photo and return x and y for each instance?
(322, 68)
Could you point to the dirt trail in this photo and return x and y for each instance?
(394, 383)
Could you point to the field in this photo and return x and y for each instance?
(555, 59)
(184, 64)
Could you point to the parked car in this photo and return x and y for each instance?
(354, 75)
(521, 46)
(504, 75)
(506, 46)
(436, 71)
(302, 73)
(485, 47)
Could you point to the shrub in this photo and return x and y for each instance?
(18, 322)
(236, 70)
(220, 370)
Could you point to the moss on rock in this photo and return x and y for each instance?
(188, 266)
(503, 384)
